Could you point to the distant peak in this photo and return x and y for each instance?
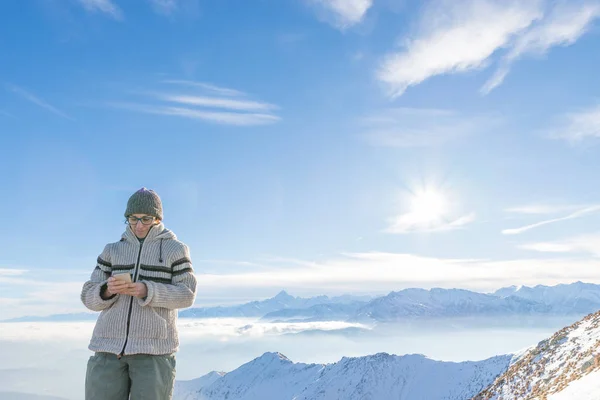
(270, 356)
(283, 294)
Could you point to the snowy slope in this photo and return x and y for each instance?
(380, 376)
(185, 390)
(556, 365)
(586, 388)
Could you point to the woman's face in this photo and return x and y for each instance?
(138, 227)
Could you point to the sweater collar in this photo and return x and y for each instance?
(156, 232)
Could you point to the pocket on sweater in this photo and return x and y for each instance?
(146, 323)
(110, 323)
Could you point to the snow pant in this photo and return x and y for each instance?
(141, 376)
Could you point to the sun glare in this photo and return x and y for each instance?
(428, 205)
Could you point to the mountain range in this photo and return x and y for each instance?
(565, 366)
(575, 299)
(379, 376)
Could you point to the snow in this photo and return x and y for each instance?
(586, 388)
(378, 376)
(558, 365)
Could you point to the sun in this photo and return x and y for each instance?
(428, 205)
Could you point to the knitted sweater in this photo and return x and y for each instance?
(129, 325)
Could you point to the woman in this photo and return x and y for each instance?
(135, 337)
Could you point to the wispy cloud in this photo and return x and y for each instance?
(410, 222)
(537, 209)
(342, 13)
(220, 117)
(221, 91)
(206, 102)
(11, 272)
(165, 7)
(413, 127)
(562, 26)
(394, 271)
(578, 126)
(36, 100)
(588, 244)
(37, 297)
(234, 327)
(577, 214)
(102, 6)
(457, 37)
(215, 102)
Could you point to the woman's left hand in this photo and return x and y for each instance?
(137, 289)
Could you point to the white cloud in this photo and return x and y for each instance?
(219, 117)
(578, 126)
(342, 13)
(577, 214)
(379, 273)
(37, 297)
(409, 222)
(103, 6)
(215, 102)
(36, 100)
(543, 209)
(164, 6)
(457, 37)
(11, 272)
(250, 327)
(562, 26)
(588, 244)
(413, 127)
(221, 91)
(232, 107)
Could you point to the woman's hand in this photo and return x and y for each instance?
(137, 289)
(116, 286)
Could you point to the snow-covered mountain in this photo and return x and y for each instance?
(575, 298)
(563, 367)
(282, 301)
(379, 376)
(412, 303)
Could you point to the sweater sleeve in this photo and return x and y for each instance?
(181, 292)
(90, 293)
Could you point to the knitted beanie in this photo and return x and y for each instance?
(144, 201)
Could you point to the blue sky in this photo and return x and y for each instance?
(318, 146)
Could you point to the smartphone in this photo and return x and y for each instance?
(125, 277)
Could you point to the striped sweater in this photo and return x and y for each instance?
(129, 325)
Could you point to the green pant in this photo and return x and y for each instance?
(141, 376)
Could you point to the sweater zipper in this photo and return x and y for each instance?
(135, 273)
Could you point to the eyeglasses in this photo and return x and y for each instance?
(146, 220)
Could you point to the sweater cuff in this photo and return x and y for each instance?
(103, 301)
(149, 296)
(103, 289)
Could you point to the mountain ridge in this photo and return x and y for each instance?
(273, 375)
(577, 298)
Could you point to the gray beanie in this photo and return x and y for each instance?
(144, 201)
